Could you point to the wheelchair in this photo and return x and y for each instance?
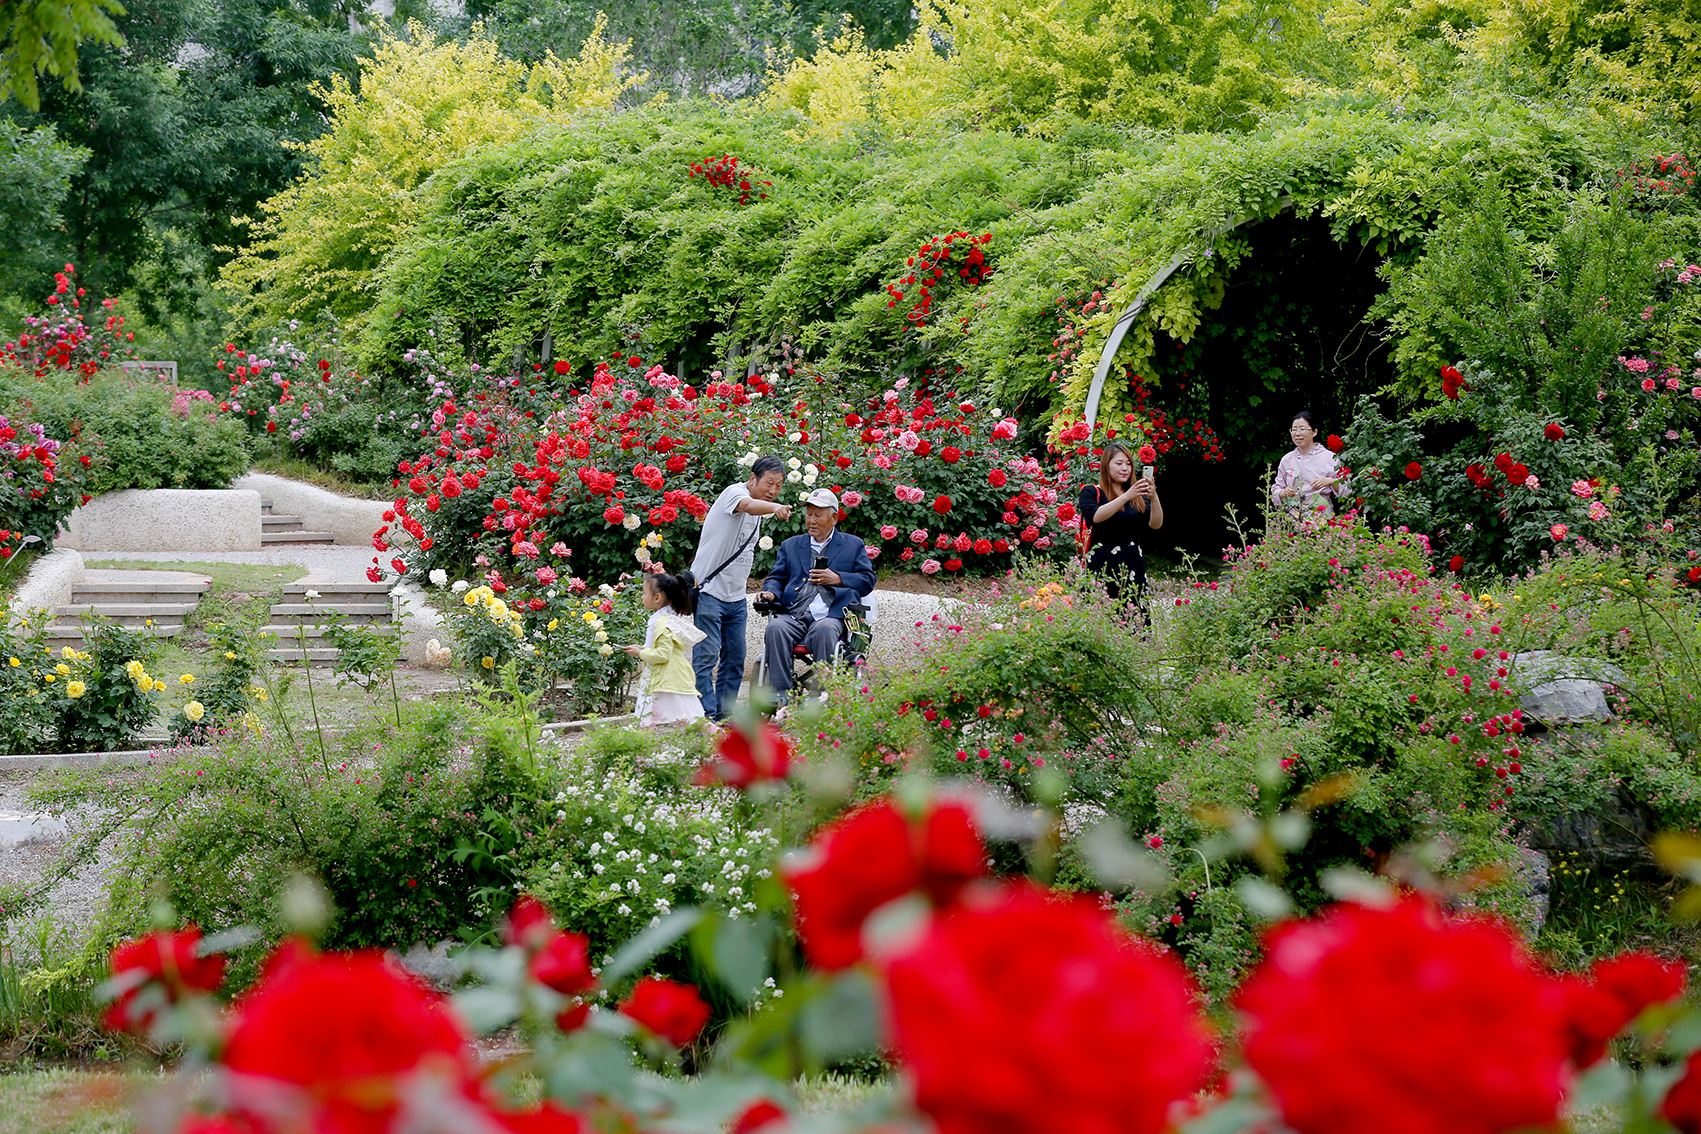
(854, 646)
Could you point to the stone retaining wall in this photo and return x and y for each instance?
(166, 519)
(351, 521)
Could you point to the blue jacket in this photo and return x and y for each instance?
(845, 554)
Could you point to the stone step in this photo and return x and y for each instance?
(329, 591)
(117, 592)
(312, 611)
(274, 523)
(266, 505)
(297, 537)
(58, 636)
(290, 631)
(119, 611)
(291, 655)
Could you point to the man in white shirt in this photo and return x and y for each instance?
(725, 553)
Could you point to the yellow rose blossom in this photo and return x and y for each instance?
(229, 656)
(589, 617)
(15, 661)
(194, 710)
(605, 649)
(159, 687)
(62, 669)
(134, 669)
(50, 677)
(553, 623)
(68, 651)
(186, 679)
(75, 689)
(488, 662)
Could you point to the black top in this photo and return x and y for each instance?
(1113, 547)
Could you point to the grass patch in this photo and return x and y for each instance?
(14, 570)
(61, 1100)
(278, 464)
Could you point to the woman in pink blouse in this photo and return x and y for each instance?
(1306, 480)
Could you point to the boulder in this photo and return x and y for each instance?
(1564, 690)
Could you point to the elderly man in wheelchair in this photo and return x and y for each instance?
(817, 576)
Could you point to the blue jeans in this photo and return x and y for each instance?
(723, 623)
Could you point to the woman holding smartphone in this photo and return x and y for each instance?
(1115, 513)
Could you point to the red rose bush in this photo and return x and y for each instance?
(1006, 1009)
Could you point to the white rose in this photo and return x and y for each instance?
(460, 585)
(602, 635)
(810, 479)
(793, 476)
(654, 539)
(765, 543)
(631, 522)
(439, 577)
(810, 470)
(794, 438)
(605, 649)
(794, 463)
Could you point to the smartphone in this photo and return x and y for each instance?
(1146, 473)
(820, 562)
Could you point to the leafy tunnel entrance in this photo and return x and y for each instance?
(1291, 334)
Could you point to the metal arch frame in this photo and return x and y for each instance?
(1119, 329)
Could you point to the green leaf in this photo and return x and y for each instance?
(645, 947)
(844, 1020)
(487, 1009)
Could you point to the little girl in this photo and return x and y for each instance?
(668, 692)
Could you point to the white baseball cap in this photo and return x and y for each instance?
(822, 498)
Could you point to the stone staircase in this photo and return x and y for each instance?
(151, 601)
(287, 529)
(296, 618)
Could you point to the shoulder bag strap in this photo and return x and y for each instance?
(706, 579)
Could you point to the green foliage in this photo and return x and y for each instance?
(41, 37)
(1053, 679)
(35, 178)
(132, 427)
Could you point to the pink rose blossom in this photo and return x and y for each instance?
(919, 535)
(1043, 542)
(559, 548)
(1559, 531)
(1582, 488)
(1648, 385)
(1598, 511)
(1532, 483)
(851, 499)
(546, 575)
(888, 531)
(873, 552)
(930, 567)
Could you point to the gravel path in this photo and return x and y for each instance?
(78, 901)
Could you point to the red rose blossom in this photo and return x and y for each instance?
(870, 856)
(1413, 471)
(1614, 992)
(564, 964)
(1148, 455)
(742, 761)
(1023, 1011)
(671, 1010)
(1335, 444)
(1405, 1021)
(351, 1031)
(942, 504)
(1554, 432)
(163, 959)
(997, 478)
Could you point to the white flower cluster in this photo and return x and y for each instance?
(630, 855)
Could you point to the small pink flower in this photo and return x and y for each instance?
(919, 535)
(851, 499)
(930, 567)
(546, 575)
(1582, 488)
(1598, 511)
(888, 531)
(1648, 385)
(1559, 531)
(1532, 483)
(559, 548)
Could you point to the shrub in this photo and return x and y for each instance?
(96, 700)
(141, 433)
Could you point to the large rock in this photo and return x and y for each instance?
(1564, 690)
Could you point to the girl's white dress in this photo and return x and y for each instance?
(669, 706)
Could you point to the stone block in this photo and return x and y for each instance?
(1563, 690)
(166, 519)
(50, 583)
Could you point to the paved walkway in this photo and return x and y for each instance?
(343, 564)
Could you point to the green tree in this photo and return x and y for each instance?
(41, 37)
(35, 175)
